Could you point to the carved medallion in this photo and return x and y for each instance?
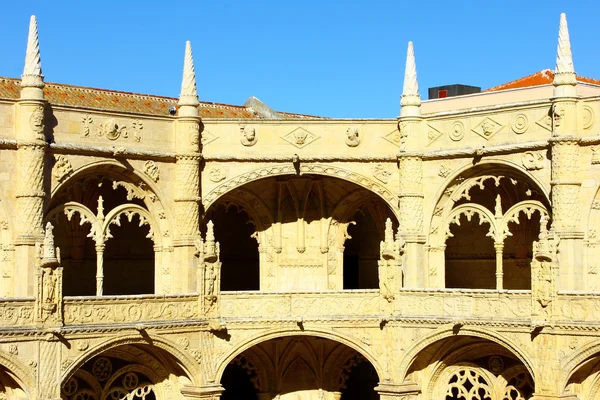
(248, 136)
(457, 132)
(217, 175)
(300, 137)
(587, 116)
(487, 128)
(519, 124)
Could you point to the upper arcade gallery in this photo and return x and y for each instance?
(160, 248)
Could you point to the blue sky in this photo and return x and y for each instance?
(332, 58)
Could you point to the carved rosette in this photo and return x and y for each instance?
(411, 194)
(187, 189)
(30, 189)
(566, 183)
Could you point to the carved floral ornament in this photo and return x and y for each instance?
(111, 129)
(62, 168)
(498, 222)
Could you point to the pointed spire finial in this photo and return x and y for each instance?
(564, 74)
(32, 73)
(189, 95)
(411, 100)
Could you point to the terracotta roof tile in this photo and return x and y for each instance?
(110, 100)
(544, 77)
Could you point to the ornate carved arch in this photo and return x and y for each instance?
(148, 191)
(527, 207)
(468, 210)
(187, 362)
(446, 332)
(129, 210)
(288, 169)
(455, 189)
(353, 343)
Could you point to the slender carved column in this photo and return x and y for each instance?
(30, 164)
(411, 215)
(410, 164)
(566, 174)
(499, 247)
(187, 181)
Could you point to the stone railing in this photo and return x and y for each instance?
(424, 303)
(579, 307)
(351, 304)
(129, 309)
(16, 312)
(464, 303)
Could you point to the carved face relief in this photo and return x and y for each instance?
(300, 136)
(36, 121)
(352, 136)
(487, 127)
(248, 136)
(558, 112)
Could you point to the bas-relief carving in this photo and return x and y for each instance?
(248, 136)
(300, 137)
(353, 137)
(111, 129)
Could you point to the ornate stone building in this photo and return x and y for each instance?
(158, 248)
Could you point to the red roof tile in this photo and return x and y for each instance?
(544, 77)
(110, 100)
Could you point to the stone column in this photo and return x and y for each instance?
(31, 142)
(411, 213)
(187, 181)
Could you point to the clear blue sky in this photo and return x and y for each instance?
(331, 58)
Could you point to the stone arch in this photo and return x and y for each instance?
(278, 333)
(315, 169)
(185, 360)
(492, 178)
(117, 169)
(572, 363)
(21, 374)
(448, 332)
(494, 162)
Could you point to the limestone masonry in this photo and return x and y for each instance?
(158, 248)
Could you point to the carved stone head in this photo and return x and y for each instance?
(352, 136)
(248, 136)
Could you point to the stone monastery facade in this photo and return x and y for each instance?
(158, 248)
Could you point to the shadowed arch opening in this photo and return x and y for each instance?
(132, 371)
(105, 251)
(485, 247)
(465, 366)
(298, 368)
(307, 232)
